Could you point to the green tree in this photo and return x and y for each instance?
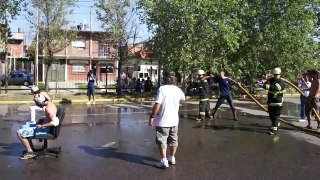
(54, 34)
(117, 17)
(241, 36)
(9, 9)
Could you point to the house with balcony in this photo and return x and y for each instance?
(90, 50)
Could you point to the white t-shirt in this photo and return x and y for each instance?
(169, 97)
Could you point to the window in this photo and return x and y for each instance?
(104, 50)
(78, 69)
(78, 44)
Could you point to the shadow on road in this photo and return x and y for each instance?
(13, 149)
(114, 153)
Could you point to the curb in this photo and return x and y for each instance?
(126, 99)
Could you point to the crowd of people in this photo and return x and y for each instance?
(165, 117)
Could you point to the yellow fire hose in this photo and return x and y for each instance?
(265, 109)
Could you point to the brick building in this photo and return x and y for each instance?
(91, 50)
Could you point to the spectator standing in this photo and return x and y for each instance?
(311, 99)
(138, 87)
(147, 85)
(91, 78)
(165, 118)
(304, 85)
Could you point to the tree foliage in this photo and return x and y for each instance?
(117, 18)
(240, 36)
(54, 34)
(9, 9)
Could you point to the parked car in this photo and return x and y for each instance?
(18, 77)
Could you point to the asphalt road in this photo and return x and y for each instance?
(114, 141)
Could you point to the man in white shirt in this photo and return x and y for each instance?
(166, 119)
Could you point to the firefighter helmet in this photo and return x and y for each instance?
(276, 71)
(200, 72)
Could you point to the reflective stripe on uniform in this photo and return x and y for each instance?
(204, 99)
(278, 86)
(275, 104)
(267, 86)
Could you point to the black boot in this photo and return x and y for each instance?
(234, 114)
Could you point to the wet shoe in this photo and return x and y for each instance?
(88, 103)
(163, 164)
(198, 119)
(27, 155)
(309, 127)
(272, 132)
(172, 160)
(302, 120)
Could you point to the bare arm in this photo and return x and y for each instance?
(46, 95)
(155, 110)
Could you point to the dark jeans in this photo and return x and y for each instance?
(221, 100)
(303, 107)
(204, 109)
(274, 114)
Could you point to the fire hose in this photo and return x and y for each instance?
(281, 119)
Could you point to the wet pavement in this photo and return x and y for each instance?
(114, 141)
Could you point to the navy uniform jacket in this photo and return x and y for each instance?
(275, 89)
(203, 88)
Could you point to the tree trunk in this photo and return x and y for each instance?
(46, 78)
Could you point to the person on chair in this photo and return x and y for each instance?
(35, 90)
(43, 127)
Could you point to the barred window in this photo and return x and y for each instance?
(104, 50)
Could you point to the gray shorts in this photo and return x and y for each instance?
(167, 135)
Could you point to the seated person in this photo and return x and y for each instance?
(35, 91)
(49, 121)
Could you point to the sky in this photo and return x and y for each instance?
(81, 14)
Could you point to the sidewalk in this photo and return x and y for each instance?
(24, 97)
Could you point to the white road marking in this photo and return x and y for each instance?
(108, 144)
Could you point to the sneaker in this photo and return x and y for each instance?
(172, 160)
(93, 103)
(163, 164)
(272, 132)
(198, 119)
(88, 103)
(27, 155)
(302, 120)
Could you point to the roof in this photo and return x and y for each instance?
(17, 36)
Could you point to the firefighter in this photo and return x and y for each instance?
(275, 87)
(203, 92)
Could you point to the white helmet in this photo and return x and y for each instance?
(34, 88)
(200, 72)
(39, 98)
(276, 71)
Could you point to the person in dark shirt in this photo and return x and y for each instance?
(275, 87)
(91, 78)
(147, 85)
(203, 92)
(225, 94)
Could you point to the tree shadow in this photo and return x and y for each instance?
(115, 153)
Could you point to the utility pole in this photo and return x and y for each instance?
(37, 49)
(6, 52)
